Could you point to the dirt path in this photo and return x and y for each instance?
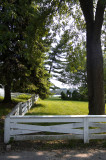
(84, 154)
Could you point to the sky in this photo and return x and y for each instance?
(61, 85)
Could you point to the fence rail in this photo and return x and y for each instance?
(23, 107)
(55, 127)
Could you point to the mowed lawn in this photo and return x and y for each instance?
(56, 106)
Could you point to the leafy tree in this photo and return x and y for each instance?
(12, 30)
(94, 22)
(22, 28)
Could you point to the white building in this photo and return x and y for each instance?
(1, 90)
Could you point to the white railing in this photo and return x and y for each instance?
(23, 107)
(55, 127)
(20, 109)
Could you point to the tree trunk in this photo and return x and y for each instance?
(95, 80)
(95, 73)
(7, 95)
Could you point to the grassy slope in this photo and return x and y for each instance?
(56, 106)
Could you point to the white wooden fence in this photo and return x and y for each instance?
(23, 107)
(20, 109)
(55, 127)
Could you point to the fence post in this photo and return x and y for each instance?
(20, 108)
(28, 105)
(33, 100)
(86, 130)
(7, 130)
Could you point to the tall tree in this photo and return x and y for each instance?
(57, 55)
(22, 28)
(94, 21)
(13, 22)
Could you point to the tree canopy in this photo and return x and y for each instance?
(22, 48)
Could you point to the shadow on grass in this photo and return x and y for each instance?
(40, 113)
(59, 144)
(38, 106)
(5, 108)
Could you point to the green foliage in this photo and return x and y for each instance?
(23, 25)
(83, 90)
(77, 95)
(63, 96)
(24, 96)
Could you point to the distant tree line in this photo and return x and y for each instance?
(77, 95)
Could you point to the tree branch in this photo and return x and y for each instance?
(99, 17)
(87, 8)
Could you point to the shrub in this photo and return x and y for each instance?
(64, 96)
(24, 96)
(76, 95)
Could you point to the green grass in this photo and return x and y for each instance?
(50, 106)
(23, 96)
(56, 106)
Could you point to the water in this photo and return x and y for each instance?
(56, 95)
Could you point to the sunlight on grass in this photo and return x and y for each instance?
(56, 106)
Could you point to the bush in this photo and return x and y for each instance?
(24, 96)
(76, 95)
(63, 96)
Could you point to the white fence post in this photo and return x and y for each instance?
(7, 130)
(86, 130)
(28, 105)
(33, 99)
(20, 108)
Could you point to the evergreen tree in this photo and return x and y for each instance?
(22, 28)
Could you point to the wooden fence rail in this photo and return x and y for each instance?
(55, 127)
(23, 107)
